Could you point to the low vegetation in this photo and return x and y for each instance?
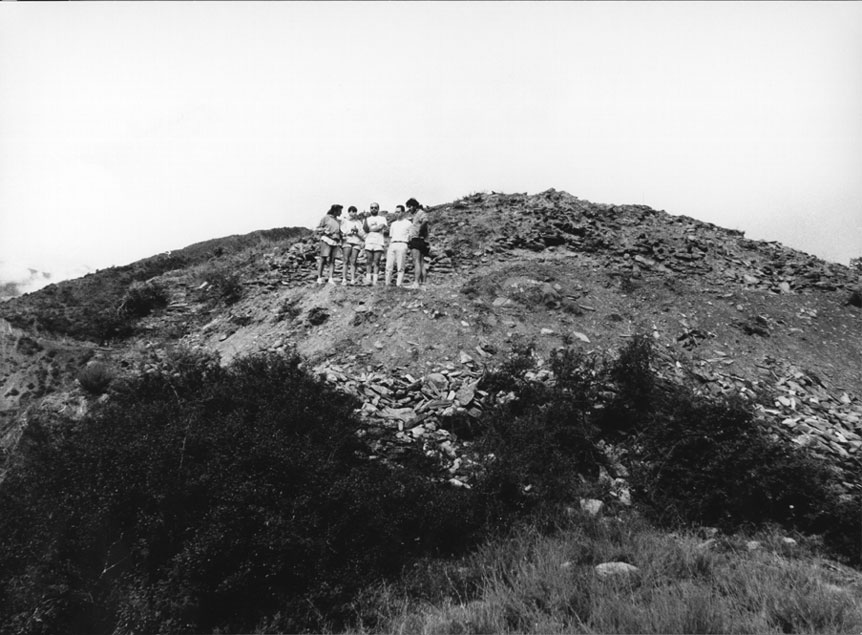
(226, 283)
(141, 299)
(104, 305)
(96, 377)
(200, 498)
(545, 582)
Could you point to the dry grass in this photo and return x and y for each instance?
(530, 583)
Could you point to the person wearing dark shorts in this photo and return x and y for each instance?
(418, 242)
(329, 231)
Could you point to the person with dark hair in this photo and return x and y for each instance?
(397, 252)
(374, 227)
(330, 237)
(418, 242)
(351, 229)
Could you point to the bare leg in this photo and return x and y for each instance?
(375, 273)
(417, 267)
(345, 259)
(321, 258)
(353, 256)
(331, 263)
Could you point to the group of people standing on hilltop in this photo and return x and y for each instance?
(374, 234)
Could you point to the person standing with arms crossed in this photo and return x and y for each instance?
(418, 242)
(374, 226)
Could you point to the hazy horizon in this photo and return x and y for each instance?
(128, 129)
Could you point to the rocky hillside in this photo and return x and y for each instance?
(727, 315)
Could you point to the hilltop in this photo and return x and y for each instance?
(727, 315)
(206, 440)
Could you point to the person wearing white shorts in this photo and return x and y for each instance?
(375, 227)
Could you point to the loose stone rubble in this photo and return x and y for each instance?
(400, 409)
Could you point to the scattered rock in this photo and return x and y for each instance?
(591, 506)
(607, 570)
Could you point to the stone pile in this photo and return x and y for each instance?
(805, 410)
(400, 409)
(628, 238)
(814, 417)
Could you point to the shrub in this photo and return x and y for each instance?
(510, 376)
(95, 377)
(201, 498)
(226, 284)
(543, 441)
(288, 310)
(632, 377)
(317, 316)
(710, 462)
(695, 460)
(142, 299)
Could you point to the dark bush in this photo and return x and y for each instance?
(510, 376)
(633, 380)
(142, 299)
(289, 310)
(694, 459)
(95, 378)
(202, 498)
(544, 440)
(711, 462)
(226, 284)
(317, 316)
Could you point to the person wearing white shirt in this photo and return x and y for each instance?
(351, 230)
(374, 226)
(399, 234)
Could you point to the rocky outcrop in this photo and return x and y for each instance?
(634, 239)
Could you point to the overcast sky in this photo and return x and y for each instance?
(131, 128)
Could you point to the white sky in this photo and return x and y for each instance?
(131, 128)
